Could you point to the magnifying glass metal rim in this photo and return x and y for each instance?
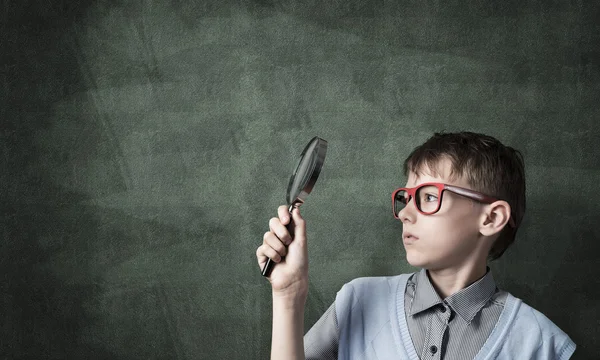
(321, 150)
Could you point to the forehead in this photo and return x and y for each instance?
(441, 171)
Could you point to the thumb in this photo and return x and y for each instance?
(299, 227)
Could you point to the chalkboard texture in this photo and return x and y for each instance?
(144, 145)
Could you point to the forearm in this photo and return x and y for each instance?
(288, 328)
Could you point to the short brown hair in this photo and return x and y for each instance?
(489, 167)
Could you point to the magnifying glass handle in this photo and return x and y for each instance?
(266, 271)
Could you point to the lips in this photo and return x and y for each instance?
(408, 237)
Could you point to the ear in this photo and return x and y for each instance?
(495, 216)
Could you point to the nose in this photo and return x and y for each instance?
(407, 214)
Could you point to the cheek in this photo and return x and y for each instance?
(458, 216)
(447, 233)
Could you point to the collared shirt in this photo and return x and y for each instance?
(452, 328)
(457, 326)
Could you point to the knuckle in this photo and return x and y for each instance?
(287, 239)
(268, 252)
(280, 248)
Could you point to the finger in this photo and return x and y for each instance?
(270, 253)
(284, 215)
(263, 252)
(275, 243)
(280, 230)
(260, 255)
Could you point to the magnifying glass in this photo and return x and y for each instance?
(301, 183)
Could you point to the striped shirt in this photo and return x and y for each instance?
(453, 328)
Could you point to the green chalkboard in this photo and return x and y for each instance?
(144, 145)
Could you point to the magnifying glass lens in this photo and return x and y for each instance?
(304, 171)
(302, 181)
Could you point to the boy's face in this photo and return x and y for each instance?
(449, 238)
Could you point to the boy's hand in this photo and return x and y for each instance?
(289, 277)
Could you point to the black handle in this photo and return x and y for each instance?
(266, 271)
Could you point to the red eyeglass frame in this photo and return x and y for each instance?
(471, 194)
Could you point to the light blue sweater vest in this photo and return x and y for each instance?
(372, 325)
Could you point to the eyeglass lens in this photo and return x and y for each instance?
(426, 199)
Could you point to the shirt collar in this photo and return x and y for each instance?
(466, 302)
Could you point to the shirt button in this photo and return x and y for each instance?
(433, 349)
(443, 309)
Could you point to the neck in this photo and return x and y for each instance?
(451, 280)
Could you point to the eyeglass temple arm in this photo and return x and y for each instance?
(479, 197)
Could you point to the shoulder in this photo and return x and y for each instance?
(365, 286)
(365, 293)
(363, 307)
(364, 312)
(533, 329)
(538, 322)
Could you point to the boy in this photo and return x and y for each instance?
(462, 205)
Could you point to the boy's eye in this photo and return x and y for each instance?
(430, 197)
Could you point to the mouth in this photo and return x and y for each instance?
(409, 238)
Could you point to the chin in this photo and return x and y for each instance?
(416, 261)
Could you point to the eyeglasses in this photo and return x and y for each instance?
(428, 198)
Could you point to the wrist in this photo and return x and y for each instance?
(290, 299)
